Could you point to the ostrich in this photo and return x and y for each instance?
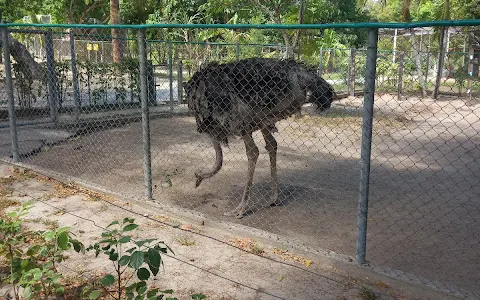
(239, 98)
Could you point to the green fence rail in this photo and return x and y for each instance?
(444, 23)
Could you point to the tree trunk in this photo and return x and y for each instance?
(21, 55)
(441, 58)
(301, 14)
(116, 42)
(406, 17)
(289, 48)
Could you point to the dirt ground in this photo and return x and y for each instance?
(425, 194)
(218, 264)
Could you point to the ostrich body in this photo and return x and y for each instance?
(239, 98)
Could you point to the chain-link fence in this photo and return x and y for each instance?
(123, 109)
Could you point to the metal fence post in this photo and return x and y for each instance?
(76, 90)
(428, 65)
(51, 76)
(180, 81)
(170, 73)
(370, 74)
(320, 64)
(1, 20)
(471, 53)
(142, 58)
(237, 51)
(351, 73)
(10, 99)
(152, 93)
(400, 75)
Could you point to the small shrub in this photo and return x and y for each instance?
(142, 258)
(32, 255)
(367, 293)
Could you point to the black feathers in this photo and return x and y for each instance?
(247, 95)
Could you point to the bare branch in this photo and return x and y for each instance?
(21, 55)
(301, 14)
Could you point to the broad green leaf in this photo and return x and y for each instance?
(15, 276)
(107, 234)
(24, 263)
(154, 260)
(124, 239)
(113, 256)
(130, 227)
(107, 280)
(56, 279)
(152, 293)
(136, 260)
(139, 286)
(85, 290)
(167, 292)
(141, 293)
(49, 235)
(27, 292)
(77, 246)
(163, 249)
(62, 241)
(94, 295)
(37, 273)
(143, 242)
(63, 229)
(33, 250)
(124, 260)
(143, 274)
(113, 223)
(128, 220)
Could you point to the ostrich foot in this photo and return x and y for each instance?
(275, 201)
(238, 212)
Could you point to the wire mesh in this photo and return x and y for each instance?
(83, 118)
(424, 168)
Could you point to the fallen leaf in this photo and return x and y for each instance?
(382, 284)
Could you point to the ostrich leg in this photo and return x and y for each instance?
(252, 155)
(271, 147)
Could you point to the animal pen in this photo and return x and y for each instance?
(398, 149)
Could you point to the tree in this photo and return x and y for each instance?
(75, 11)
(295, 12)
(115, 20)
(406, 17)
(14, 11)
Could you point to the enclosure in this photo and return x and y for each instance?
(400, 141)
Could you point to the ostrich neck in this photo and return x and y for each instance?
(218, 163)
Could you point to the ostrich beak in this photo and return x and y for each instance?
(199, 180)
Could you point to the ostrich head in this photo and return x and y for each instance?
(322, 95)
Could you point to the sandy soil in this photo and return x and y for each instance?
(425, 191)
(204, 261)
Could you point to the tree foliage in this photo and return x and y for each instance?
(424, 10)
